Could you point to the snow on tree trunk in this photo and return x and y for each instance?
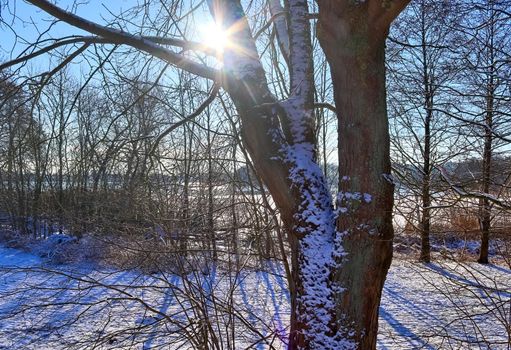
(352, 35)
(338, 272)
(280, 138)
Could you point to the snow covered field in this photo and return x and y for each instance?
(84, 306)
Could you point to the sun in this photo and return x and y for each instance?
(214, 37)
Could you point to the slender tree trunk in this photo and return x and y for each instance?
(234, 213)
(22, 198)
(425, 226)
(210, 235)
(36, 205)
(11, 155)
(185, 217)
(60, 150)
(484, 206)
(187, 160)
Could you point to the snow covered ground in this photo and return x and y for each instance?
(84, 306)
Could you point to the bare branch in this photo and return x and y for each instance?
(212, 95)
(136, 41)
(325, 105)
(464, 193)
(279, 20)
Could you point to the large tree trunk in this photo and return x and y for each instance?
(280, 138)
(353, 39)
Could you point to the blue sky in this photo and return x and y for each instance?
(29, 20)
(22, 23)
(27, 13)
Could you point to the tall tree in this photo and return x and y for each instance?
(421, 70)
(352, 35)
(487, 85)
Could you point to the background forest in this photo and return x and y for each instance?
(118, 153)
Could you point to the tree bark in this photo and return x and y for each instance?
(485, 207)
(425, 226)
(353, 39)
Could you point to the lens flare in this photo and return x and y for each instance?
(215, 37)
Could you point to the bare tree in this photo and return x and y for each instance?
(422, 71)
(484, 105)
(488, 83)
